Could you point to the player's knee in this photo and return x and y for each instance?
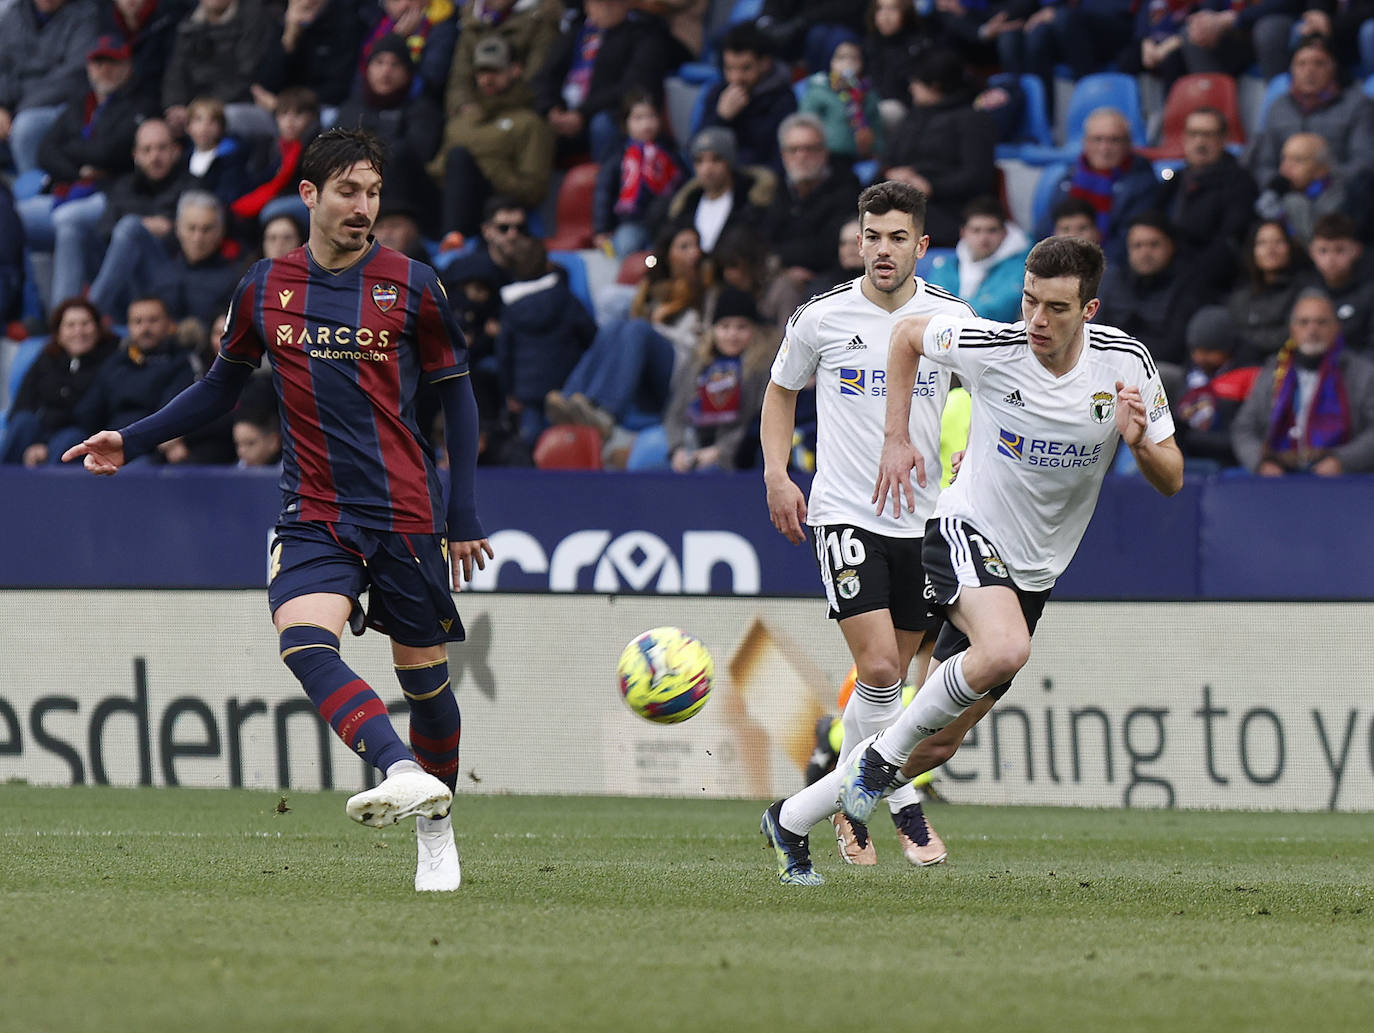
(1006, 656)
(307, 647)
(880, 671)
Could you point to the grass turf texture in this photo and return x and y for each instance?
(162, 909)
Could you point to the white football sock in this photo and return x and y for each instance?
(905, 797)
(869, 710)
(939, 702)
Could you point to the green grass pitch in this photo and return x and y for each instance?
(155, 909)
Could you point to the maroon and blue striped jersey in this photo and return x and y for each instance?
(347, 351)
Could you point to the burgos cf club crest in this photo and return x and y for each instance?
(1102, 406)
(384, 295)
(847, 583)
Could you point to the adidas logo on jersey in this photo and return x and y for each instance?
(855, 344)
(1015, 399)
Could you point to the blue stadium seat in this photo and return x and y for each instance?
(28, 184)
(578, 281)
(867, 170)
(1368, 84)
(1046, 194)
(19, 365)
(1104, 89)
(1035, 128)
(932, 255)
(745, 11)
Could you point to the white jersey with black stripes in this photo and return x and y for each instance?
(842, 338)
(1039, 445)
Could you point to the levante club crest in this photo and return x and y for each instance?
(384, 295)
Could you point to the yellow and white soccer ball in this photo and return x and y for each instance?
(665, 675)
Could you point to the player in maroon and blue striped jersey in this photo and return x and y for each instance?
(350, 328)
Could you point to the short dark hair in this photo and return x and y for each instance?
(745, 38)
(146, 299)
(337, 150)
(635, 95)
(1335, 226)
(889, 196)
(1068, 256)
(1155, 220)
(299, 100)
(1212, 112)
(1070, 206)
(984, 206)
(500, 203)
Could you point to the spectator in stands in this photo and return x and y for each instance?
(1264, 25)
(644, 170)
(1311, 409)
(275, 163)
(848, 264)
(1151, 297)
(494, 144)
(676, 291)
(1275, 272)
(504, 222)
(90, 143)
(1110, 176)
(944, 146)
(722, 195)
(896, 38)
(1340, 22)
(148, 371)
(257, 436)
(816, 196)
(149, 29)
(808, 29)
(754, 98)
(1336, 254)
(216, 54)
(846, 102)
(741, 260)
(1207, 393)
(1034, 36)
(140, 211)
(544, 332)
(1075, 217)
(61, 374)
(11, 257)
(715, 397)
(316, 46)
(1305, 188)
(408, 124)
(1209, 201)
(989, 262)
(215, 162)
(596, 58)
(398, 227)
(43, 48)
(529, 28)
(430, 29)
(1316, 103)
(281, 235)
(197, 281)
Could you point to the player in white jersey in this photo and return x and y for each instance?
(1051, 398)
(870, 563)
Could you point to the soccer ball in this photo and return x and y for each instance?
(665, 675)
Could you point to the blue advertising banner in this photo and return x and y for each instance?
(1222, 538)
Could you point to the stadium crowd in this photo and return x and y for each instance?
(149, 152)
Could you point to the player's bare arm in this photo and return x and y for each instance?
(463, 556)
(1160, 462)
(899, 455)
(786, 503)
(104, 453)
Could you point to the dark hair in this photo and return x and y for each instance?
(300, 99)
(1216, 113)
(635, 95)
(942, 69)
(1335, 226)
(1072, 206)
(908, 18)
(500, 203)
(1155, 220)
(337, 150)
(143, 299)
(53, 347)
(888, 196)
(661, 269)
(1296, 256)
(1068, 256)
(984, 206)
(745, 37)
(1318, 40)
